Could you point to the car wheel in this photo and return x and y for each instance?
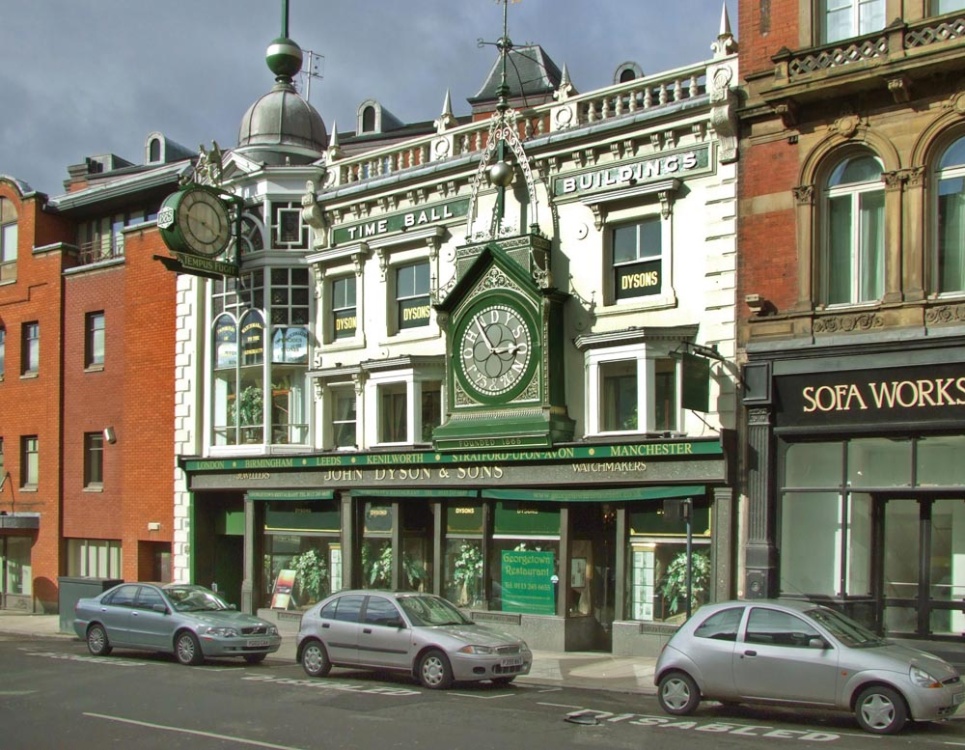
(255, 658)
(187, 649)
(315, 659)
(503, 680)
(97, 641)
(678, 694)
(434, 670)
(881, 710)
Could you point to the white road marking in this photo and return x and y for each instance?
(483, 697)
(194, 732)
(14, 693)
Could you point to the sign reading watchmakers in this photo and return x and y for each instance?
(899, 395)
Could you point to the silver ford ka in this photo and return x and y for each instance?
(191, 622)
(801, 654)
(418, 634)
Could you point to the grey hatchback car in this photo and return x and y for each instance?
(802, 654)
(418, 634)
(191, 622)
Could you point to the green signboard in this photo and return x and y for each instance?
(527, 519)
(464, 518)
(696, 383)
(527, 582)
(322, 515)
(400, 222)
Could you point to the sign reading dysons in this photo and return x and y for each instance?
(896, 396)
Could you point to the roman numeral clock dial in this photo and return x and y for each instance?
(495, 351)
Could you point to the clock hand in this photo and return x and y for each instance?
(485, 337)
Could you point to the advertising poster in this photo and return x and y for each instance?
(281, 594)
(527, 579)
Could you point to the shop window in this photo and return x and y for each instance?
(412, 295)
(842, 19)
(949, 254)
(463, 574)
(344, 317)
(95, 558)
(29, 462)
(30, 349)
(17, 570)
(637, 259)
(8, 241)
(393, 415)
(344, 422)
(93, 460)
(94, 340)
(310, 560)
(524, 557)
(853, 259)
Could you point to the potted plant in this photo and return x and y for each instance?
(467, 572)
(674, 582)
(249, 411)
(310, 575)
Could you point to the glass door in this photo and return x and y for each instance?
(922, 562)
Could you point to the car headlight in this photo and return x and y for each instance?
(476, 650)
(920, 678)
(219, 631)
(272, 630)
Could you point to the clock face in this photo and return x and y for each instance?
(495, 350)
(204, 222)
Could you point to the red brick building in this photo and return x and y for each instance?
(851, 330)
(87, 319)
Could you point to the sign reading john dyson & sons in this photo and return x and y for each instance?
(897, 396)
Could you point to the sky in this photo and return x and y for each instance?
(81, 78)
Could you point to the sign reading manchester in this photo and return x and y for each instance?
(894, 396)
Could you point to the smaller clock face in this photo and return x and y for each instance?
(204, 222)
(495, 349)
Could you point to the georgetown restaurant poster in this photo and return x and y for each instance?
(527, 580)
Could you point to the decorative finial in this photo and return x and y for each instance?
(446, 118)
(725, 43)
(284, 56)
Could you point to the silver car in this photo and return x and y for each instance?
(191, 622)
(802, 654)
(419, 634)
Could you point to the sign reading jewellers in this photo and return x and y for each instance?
(676, 164)
(898, 396)
(420, 217)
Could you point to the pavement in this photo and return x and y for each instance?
(592, 670)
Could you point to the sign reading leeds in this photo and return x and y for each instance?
(894, 396)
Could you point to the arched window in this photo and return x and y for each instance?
(368, 120)
(8, 240)
(854, 239)
(155, 148)
(949, 258)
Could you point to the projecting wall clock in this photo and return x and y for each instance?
(195, 220)
(494, 345)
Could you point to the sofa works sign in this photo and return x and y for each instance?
(898, 395)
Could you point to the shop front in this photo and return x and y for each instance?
(869, 488)
(574, 548)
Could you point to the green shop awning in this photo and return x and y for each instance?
(613, 495)
(288, 495)
(415, 493)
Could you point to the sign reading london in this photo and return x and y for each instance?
(422, 217)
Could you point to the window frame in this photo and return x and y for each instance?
(9, 240)
(644, 258)
(936, 255)
(857, 17)
(95, 340)
(403, 297)
(29, 462)
(30, 349)
(93, 460)
(855, 194)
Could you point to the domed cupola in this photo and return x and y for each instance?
(281, 127)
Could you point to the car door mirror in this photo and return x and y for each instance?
(818, 642)
(395, 622)
(160, 608)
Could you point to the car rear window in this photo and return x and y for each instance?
(721, 626)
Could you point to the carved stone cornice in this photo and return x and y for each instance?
(945, 314)
(848, 323)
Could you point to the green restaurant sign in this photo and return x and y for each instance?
(527, 582)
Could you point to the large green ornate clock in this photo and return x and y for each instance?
(195, 220)
(495, 350)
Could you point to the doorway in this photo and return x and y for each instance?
(921, 564)
(16, 577)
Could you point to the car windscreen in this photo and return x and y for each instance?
(846, 630)
(190, 599)
(431, 610)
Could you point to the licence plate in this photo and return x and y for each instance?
(256, 644)
(958, 698)
(514, 662)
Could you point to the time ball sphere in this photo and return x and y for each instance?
(501, 174)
